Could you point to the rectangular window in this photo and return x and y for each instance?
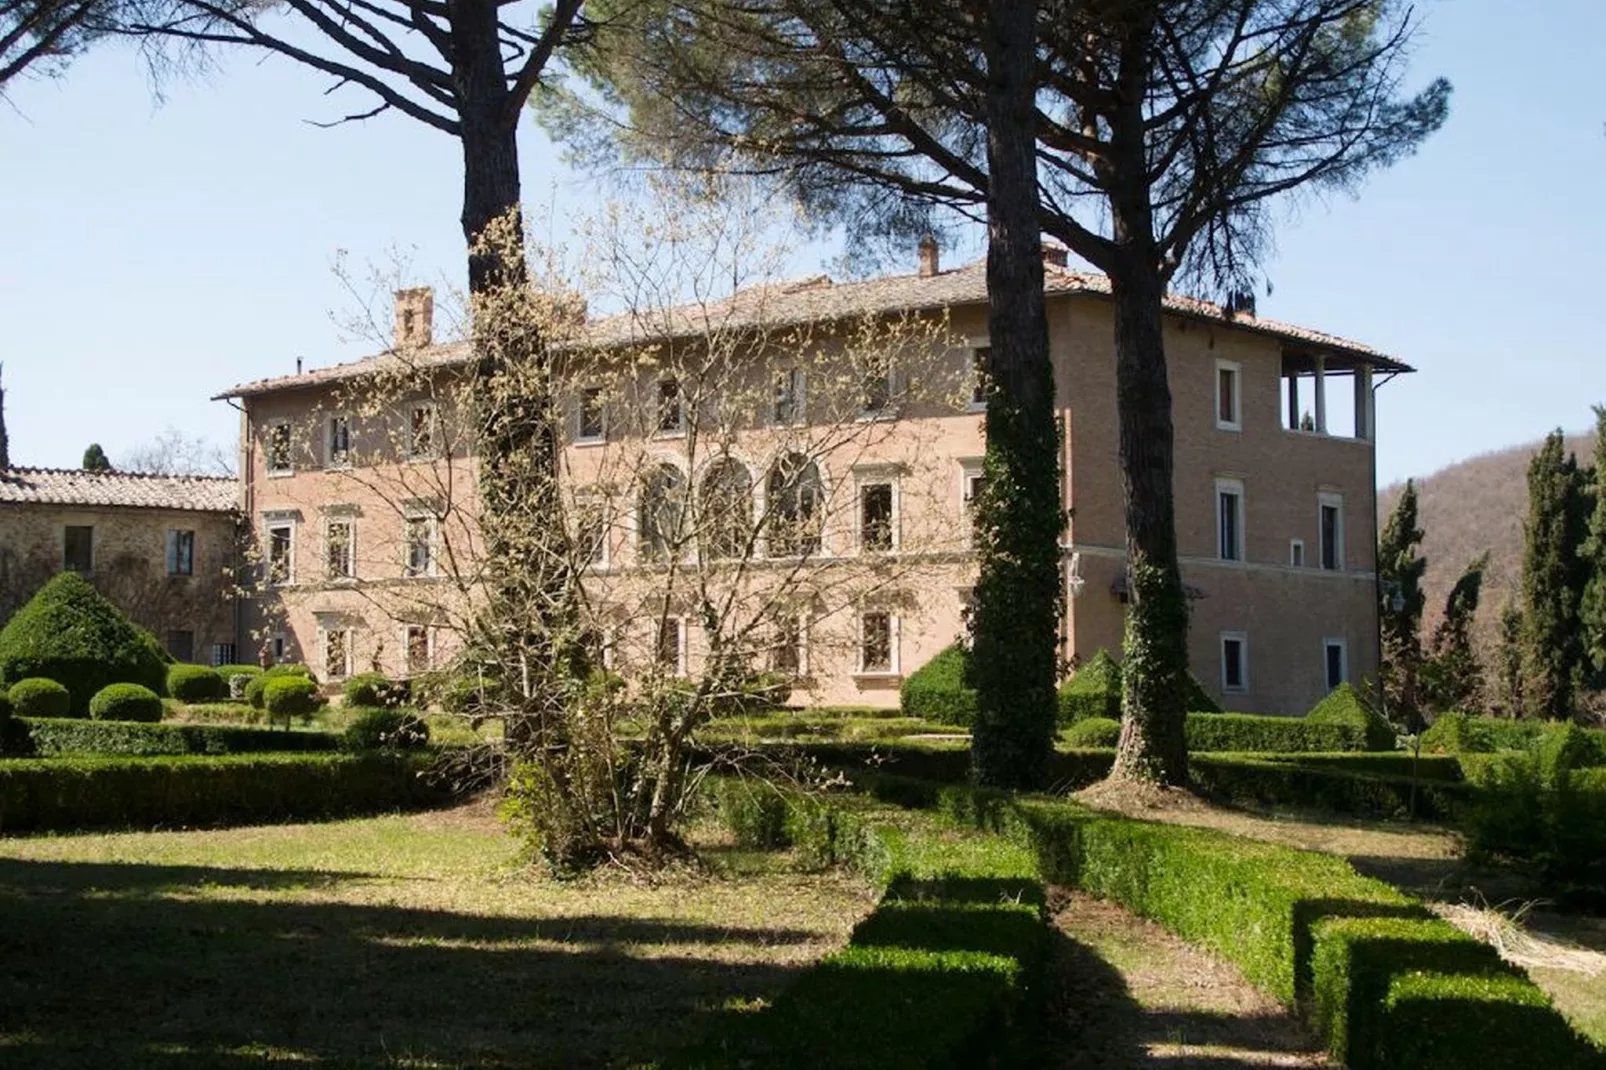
(423, 431)
(1335, 656)
(1228, 378)
(78, 548)
(181, 644)
(1229, 520)
(591, 419)
(591, 533)
(1234, 662)
(877, 524)
(788, 407)
(788, 653)
(1296, 553)
(878, 392)
(420, 648)
(222, 654)
(277, 648)
(979, 358)
(671, 407)
(337, 453)
(181, 553)
(670, 649)
(877, 642)
(278, 448)
(419, 535)
(281, 564)
(337, 653)
(973, 482)
(1330, 525)
(340, 550)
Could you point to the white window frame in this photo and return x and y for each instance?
(869, 476)
(222, 654)
(659, 430)
(407, 650)
(1242, 639)
(350, 574)
(889, 411)
(1333, 500)
(971, 470)
(345, 670)
(893, 659)
(1237, 422)
(678, 669)
(432, 531)
(977, 347)
(1236, 487)
(273, 428)
(329, 459)
(268, 527)
(798, 385)
(802, 619)
(580, 436)
(412, 452)
(1296, 553)
(1343, 659)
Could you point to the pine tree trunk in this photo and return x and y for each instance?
(1017, 604)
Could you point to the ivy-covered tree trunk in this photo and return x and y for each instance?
(1018, 601)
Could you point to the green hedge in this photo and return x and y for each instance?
(1247, 732)
(1094, 690)
(1397, 763)
(39, 697)
(948, 763)
(46, 736)
(1346, 706)
(936, 691)
(1093, 732)
(290, 696)
(126, 702)
(386, 728)
(196, 683)
(1244, 779)
(39, 794)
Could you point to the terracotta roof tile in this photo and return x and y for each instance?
(139, 490)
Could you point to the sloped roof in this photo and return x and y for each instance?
(137, 490)
(819, 299)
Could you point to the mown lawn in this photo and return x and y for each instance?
(398, 941)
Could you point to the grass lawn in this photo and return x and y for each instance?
(394, 941)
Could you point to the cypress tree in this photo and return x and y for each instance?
(1592, 608)
(1509, 658)
(5, 441)
(1400, 568)
(1453, 678)
(95, 459)
(1552, 648)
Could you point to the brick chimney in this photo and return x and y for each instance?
(415, 318)
(928, 256)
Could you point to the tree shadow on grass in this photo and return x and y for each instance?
(127, 965)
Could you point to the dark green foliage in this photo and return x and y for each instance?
(387, 728)
(1508, 660)
(95, 459)
(1094, 690)
(290, 696)
(5, 708)
(46, 737)
(1452, 679)
(937, 692)
(462, 693)
(1592, 603)
(236, 677)
(1398, 763)
(1334, 786)
(126, 702)
(1256, 733)
(1346, 706)
(376, 689)
(1459, 733)
(257, 685)
(49, 794)
(1400, 568)
(70, 633)
(1092, 732)
(1553, 578)
(195, 683)
(39, 697)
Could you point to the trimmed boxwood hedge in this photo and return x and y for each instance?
(47, 736)
(1094, 690)
(195, 683)
(936, 691)
(1244, 733)
(1346, 706)
(39, 697)
(126, 702)
(39, 794)
(1093, 732)
(1251, 779)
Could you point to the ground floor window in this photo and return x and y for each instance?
(670, 649)
(789, 652)
(878, 649)
(222, 654)
(420, 648)
(1335, 655)
(337, 653)
(1234, 662)
(181, 644)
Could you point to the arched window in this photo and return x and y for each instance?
(796, 505)
(725, 518)
(661, 512)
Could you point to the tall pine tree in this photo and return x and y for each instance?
(1400, 567)
(1452, 677)
(1552, 581)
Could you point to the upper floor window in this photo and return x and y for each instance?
(281, 553)
(980, 383)
(337, 451)
(973, 483)
(795, 504)
(660, 512)
(1234, 662)
(419, 539)
(423, 430)
(340, 550)
(1229, 378)
(181, 553)
(1330, 527)
(788, 404)
(278, 448)
(78, 548)
(878, 527)
(1229, 520)
(726, 509)
(671, 407)
(879, 392)
(591, 416)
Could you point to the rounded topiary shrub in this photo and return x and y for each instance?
(235, 677)
(254, 687)
(126, 702)
(290, 696)
(39, 697)
(936, 691)
(1093, 732)
(387, 729)
(69, 632)
(1094, 691)
(366, 689)
(194, 683)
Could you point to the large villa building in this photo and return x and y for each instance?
(361, 490)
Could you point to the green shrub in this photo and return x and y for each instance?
(1441, 767)
(256, 686)
(46, 737)
(38, 697)
(1093, 732)
(1251, 780)
(1247, 733)
(290, 696)
(462, 693)
(1345, 705)
(5, 707)
(386, 728)
(236, 677)
(1536, 810)
(70, 633)
(367, 689)
(936, 691)
(1094, 691)
(195, 683)
(125, 702)
(48, 794)
(1458, 733)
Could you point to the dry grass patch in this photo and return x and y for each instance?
(415, 941)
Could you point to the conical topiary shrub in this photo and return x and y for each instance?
(69, 632)
(1094, 690)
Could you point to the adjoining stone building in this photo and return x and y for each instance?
(1275, 501)
(164, 549)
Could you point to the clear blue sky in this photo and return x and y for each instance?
(156, 253)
